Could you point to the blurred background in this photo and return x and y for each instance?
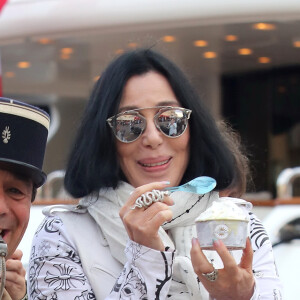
(243, 57)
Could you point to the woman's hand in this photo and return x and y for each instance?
(15, 276)
(142, 224)
(234, 281)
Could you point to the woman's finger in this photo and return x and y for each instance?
(158, 214)
(155, 208)
(147, 221)
(199, 260)
(228, 261)
(246, 260)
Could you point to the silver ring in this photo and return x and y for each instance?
(212, 276)
(146, 199)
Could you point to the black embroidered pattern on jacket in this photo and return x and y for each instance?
(258, 234)
(61, 276)
(168, 276)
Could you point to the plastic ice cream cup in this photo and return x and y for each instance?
(225, 221)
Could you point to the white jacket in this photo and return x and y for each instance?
(88, 244)
(91, 244)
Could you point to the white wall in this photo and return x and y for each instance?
(21, 18)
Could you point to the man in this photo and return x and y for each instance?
(173, 128)
(23, 136)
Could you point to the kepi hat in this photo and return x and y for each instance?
(23, 137)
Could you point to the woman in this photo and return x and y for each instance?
(84, 252)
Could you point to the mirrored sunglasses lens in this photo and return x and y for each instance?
(172, 122)
(128, 127)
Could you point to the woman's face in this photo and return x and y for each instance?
(153, 156)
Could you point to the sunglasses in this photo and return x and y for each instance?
(129, 125)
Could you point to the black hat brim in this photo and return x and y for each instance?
(37, 176)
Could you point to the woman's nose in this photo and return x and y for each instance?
(152, 137)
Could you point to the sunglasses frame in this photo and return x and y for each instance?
(161, 109)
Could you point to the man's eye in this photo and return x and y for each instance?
(16, 192)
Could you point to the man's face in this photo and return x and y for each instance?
(15, 202)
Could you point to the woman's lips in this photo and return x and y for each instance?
(154, 165)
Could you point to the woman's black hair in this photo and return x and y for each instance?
(93, 162)
(242, 175)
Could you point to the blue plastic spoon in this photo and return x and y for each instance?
(200, 185)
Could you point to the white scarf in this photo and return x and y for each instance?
(181, 229)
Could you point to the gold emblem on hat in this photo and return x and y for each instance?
(6, 135)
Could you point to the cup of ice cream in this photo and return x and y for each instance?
(226, 221)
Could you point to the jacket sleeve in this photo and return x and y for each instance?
(146, 275)
(268, 285)
(55, 270)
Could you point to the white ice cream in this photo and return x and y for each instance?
(223, 210)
